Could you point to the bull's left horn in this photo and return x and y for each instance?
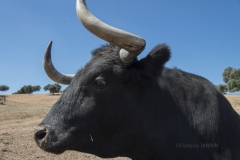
(132, 45)
(51, 71)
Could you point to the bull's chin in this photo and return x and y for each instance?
(48, 147)
(58, 147)
(53, 150)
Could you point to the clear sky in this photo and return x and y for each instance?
(204, 35)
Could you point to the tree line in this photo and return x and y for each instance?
(29, 89)
(231, 77)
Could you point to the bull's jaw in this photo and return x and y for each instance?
(54, 140)
(109, 147)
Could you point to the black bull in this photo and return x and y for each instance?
(139, 109)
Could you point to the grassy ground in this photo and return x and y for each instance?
(22, 113)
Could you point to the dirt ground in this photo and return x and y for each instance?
(22, 113)
(18, 118)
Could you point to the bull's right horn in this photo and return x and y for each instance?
(131, 44)
(51, 71)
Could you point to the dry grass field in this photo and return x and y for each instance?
(22, 113)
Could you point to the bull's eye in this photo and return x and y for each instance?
(99, 84)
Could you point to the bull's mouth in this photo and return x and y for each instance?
(57, 141)
(56, 147)
(52, 149)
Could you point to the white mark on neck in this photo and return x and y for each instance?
(91, 137)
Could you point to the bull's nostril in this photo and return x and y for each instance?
(40, 133)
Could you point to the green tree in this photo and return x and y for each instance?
(226, 74)
(231, 77)
(28, 89)
(222, 88)
(53, 88)
(36, 88)
(4, 88)
(234, 82)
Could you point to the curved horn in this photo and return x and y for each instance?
(131, 44)
(51, 71)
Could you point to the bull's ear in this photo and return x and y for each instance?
(150, 66)
(157, 57)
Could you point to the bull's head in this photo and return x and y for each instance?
(96, 111)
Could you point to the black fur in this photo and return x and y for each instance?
(145, 111)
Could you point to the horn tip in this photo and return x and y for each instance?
(47, 54)
(126, 57)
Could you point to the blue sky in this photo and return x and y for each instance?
(204, 35)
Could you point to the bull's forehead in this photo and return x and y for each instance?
(104, 60)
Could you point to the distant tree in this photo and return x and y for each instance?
(28, 89)
(4, 88)
(231, 77)
(222, 88)
(226, 74)
(234, 82)
(53, 88)
(36, 88)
